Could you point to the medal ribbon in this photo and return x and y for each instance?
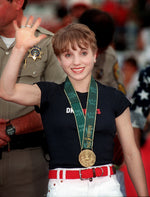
(85, 124)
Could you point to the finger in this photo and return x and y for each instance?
(23, 21)
(36, 24)
(39, 38)
(15, 25)
(4, 137)
(3, 120)
(3, 143)
(30, 21)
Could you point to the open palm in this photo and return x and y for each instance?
(25, 35)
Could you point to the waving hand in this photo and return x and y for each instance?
(25, 35)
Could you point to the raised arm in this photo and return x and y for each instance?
(132, 155)
(23, 94)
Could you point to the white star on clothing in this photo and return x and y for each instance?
(134, 123)
(143, 95)
(139, 110)
(146, 80)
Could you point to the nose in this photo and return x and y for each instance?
(76, 60)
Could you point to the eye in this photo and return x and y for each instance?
(67, 55)
(84, 53)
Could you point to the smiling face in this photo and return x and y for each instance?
(78, 62)
(76, 48)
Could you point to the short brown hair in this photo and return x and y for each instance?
(73, 34)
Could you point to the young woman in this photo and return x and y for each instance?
(80, 116)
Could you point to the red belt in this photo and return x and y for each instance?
(82, 174)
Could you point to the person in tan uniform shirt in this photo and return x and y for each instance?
(21, 152)
(106, 69)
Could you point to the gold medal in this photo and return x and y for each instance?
(85, 123)
(87, 158)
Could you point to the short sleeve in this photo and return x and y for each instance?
(120, 102)
(47, 90)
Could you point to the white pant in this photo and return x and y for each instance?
(107, 186)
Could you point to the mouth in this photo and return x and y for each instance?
(78, 70)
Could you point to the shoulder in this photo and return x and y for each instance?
(145, 73)
(41, 30)
(107, 60)
(113, 98)
(108, 91)
(45, 43)
(146, 70)
(106, 88)
(111, 94)
(110, 53)
(47, 85)
(49, 88)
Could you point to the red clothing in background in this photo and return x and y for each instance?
(145, 153)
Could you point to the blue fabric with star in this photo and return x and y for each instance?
(140, 107)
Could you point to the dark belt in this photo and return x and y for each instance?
(23, 141)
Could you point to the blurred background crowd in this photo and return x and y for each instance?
(132, 33)
(131, 19)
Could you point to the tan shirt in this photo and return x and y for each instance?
(106, 70)
(40, 64)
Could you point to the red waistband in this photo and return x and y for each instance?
(83, 173)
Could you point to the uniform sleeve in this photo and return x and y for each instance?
(120, 103)
(141, 100)
(107, 71)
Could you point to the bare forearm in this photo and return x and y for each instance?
(137, 174)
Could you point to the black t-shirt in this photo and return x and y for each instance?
(60, 126)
